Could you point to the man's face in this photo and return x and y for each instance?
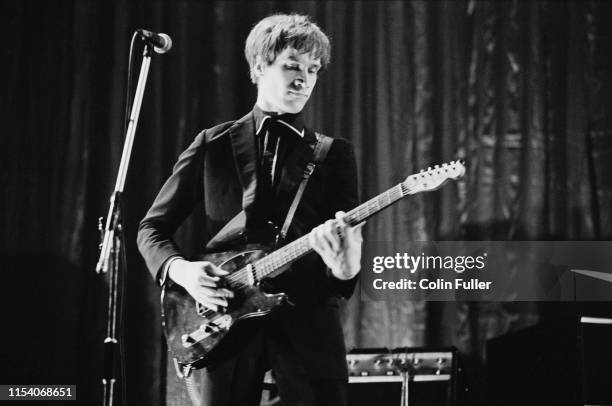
(285, 85)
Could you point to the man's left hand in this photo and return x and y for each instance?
(339, 245)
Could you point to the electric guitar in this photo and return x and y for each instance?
(198, 336)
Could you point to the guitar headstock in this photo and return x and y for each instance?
(433, 178)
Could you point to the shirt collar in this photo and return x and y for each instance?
(295, 122)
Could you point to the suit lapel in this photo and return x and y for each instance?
(245, 157)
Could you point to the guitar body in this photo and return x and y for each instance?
(198, 336)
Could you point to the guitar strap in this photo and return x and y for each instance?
(320, 152)
(235, 226)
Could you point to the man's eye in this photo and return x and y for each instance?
(292, 67)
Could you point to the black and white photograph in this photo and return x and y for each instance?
(306, 202)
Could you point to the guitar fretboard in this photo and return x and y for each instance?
(279, 259)
(300, 247)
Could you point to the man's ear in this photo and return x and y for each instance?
(258, 66)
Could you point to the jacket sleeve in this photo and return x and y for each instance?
(174, 202)
(343, 195)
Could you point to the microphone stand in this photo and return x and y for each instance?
(112, 248)
(406, 369)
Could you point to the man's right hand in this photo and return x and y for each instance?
(200, 279)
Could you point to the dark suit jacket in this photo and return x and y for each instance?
(219, 168)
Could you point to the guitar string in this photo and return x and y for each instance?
(296, 248)
(271, 262)
(293, 250)
(268, 264)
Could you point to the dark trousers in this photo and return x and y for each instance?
(238, 381)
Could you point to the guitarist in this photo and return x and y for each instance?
(254, 165)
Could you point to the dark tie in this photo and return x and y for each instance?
(269, 157)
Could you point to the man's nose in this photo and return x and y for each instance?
(302, 80)
(299, 82)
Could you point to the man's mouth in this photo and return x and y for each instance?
(297, 94)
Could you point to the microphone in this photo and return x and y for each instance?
(161, 42)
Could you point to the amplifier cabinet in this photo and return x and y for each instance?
(375, 376)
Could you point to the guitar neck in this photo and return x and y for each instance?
(300, 247)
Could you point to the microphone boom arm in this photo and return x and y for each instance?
(113, 218)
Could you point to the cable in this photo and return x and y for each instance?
(128, 94)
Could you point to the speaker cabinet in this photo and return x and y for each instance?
(563, 363)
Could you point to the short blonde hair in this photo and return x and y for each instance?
(273, 34)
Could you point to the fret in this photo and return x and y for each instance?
(282, 257)
(375, 205)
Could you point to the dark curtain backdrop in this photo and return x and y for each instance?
(522, 90)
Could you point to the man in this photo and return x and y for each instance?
(254, 165)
